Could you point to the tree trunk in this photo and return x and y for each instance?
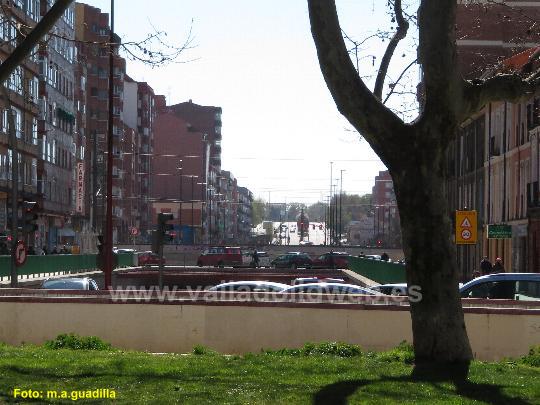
(440, 337)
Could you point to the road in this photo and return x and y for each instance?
(290, 229)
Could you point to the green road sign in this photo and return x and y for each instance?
(499, 231)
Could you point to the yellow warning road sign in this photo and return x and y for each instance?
(466, 227)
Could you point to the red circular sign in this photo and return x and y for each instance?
(20, 253)
(134, 231)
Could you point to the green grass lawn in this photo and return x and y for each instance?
(276, 378)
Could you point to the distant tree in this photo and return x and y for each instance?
(317, 211)
(415, 154)
(258, 209)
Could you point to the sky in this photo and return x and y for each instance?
(257, 60)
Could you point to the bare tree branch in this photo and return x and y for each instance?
(392, 89)
(401, 32)
(354, 100)
(27, 45)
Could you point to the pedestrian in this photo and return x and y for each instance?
(498, 266)
(476, 274)
(485, 266)
(385, 257)
(332, 259)
(44, 251)
(255, 258)
(54, 251)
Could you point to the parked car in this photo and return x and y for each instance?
(309, 280)
(332, 260)
(123, 250)
(149, 259)
(292, 261)
(221, 256)
(330, 288)
(84, 283)
(250, 286)
(519, 286)
(306, 243)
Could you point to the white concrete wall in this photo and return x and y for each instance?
(241, 329)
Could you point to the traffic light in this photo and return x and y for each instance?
(30, 216)
(163, 229)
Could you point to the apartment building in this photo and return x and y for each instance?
(245, 202)
(22, 89)
(386, 216)
(92, 35)
(488, 32)
(179, 174)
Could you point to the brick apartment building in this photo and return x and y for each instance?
(188, 181)
(493, 163)
(135, 167)
(386, 217)
(41, 93)
(179, 173)
(23, 91)
(488, 32)
(494, 169)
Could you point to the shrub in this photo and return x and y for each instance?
(201, 350)
(75, 342)
(338, 349)
(402, 353)
(533, 358)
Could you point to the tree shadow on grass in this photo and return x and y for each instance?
(339, 392)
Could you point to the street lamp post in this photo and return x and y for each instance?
(180, 204)
(340, 205)
(109, 220)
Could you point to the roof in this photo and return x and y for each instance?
(518, 61)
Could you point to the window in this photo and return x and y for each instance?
(32, 9)
(15, 80)
(528, 289)
(33, 86)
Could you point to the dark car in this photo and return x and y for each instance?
(292, 261)
(221, 256)
(84, 283)
(149, 259)
(332, 260)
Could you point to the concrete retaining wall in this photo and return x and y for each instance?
(231, 327)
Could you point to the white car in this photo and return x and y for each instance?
(250, 286)
(330, 288)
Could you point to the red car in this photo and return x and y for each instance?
(149, 259)
(221, 256)
(332, 260)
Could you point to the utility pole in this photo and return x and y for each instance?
(330, 204)
(108, 224)
(340, 205)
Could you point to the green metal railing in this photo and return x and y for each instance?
(378, 270)
(37, 265)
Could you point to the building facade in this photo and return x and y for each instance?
(488, 32)
(386, 225)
